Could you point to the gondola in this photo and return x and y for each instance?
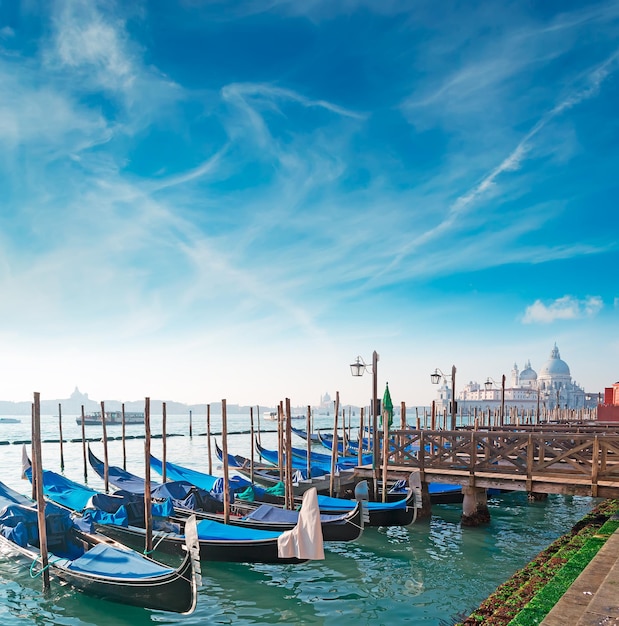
(400, 511)
(440, 493)
(299, 461)
(326, 440)
(93, 563)
(324, 460)
(269, 476)
(264, 516)
(303, 434)
(237, 461)
(267, 515)
(121, 517)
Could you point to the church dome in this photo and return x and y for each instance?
(555, 366)
(528, 373)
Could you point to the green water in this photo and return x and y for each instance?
(429, 573)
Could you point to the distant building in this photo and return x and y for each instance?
(552, 387)
(609, 410)
(73, 404)
(326, 404)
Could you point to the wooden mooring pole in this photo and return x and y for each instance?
(251, 444)
(280, 441)
(34, 477)
(164, 444)
(84, 447)
(335, 443)
(37, 470)
(122, 418)
(308, 441)
(148, 511)
(106, 464)
(360, 438)
(289, 491)
(224, 445)
(208, 439)
(60, 437)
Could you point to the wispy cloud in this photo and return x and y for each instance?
(90, 43)
(314, 10)
(209, 167)
(168, 181)
(512, 163)
(565, 308)
(251, 101)
(43, 118)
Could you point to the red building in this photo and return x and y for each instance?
(609, 411)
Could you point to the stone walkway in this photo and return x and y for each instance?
(593, 598)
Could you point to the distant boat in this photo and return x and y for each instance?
(272, 415)
(111, 417)
(9, 420)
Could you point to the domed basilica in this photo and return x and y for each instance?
(554, 382)
(552, 387)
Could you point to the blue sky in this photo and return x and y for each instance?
(205, 200)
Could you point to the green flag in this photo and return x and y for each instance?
(387, 407)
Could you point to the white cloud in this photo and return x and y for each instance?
(268, 94)
(565, 308)
(314, 10)
(488, 186)
(86, 39)
(251, 100)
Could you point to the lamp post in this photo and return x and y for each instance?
(488, 384)
(358, 368)
(435, 378)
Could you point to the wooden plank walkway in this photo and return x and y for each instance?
(571, 463)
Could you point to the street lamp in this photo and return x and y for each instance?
(488, 385)
(358, 368)
(435, 378)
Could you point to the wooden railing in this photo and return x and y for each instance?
(587, 460)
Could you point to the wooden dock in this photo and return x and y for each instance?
(577, 461)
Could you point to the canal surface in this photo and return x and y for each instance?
(431, 573)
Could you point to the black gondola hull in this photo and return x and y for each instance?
(348, 528)
(257, 551)
(168, 592)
